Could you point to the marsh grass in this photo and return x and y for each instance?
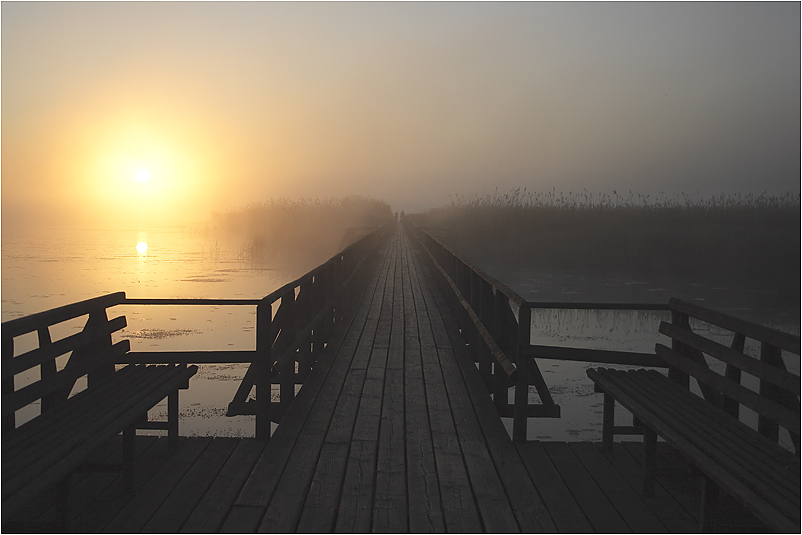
(751, 240)
(302, 232)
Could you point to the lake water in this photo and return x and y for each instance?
(42, 270)
(581, 406)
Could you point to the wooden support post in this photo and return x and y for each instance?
(521, 408)
(608, 424)
(172, 419)
(9, 422)
(733, 373)
(287, 366)
(262, 363)
(97, 319)
(678, 376)
(770, 355)
(47, 368)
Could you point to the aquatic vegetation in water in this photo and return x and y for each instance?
(157, 334)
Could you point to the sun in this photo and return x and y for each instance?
(143, 175)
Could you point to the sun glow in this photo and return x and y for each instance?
(143, 175)
(142, 247)
(146, 170)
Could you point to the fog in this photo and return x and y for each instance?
(230, 103)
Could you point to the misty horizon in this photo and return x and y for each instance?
(164, 112)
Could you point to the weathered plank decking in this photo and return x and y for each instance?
(393, 431)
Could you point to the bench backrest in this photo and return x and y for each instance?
(731, 377)
(48, 372)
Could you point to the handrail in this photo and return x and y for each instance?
(597, 305)
(498, 355)
(187, 301)
(53, 316)
(496, 325)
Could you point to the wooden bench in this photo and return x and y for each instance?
(83, 398)
(705, 419)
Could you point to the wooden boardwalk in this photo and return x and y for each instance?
(393, 431)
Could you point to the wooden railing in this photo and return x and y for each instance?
(293, 325)
(30, 376)
(496, 325)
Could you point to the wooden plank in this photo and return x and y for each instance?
(676, 500)
(752, 330)
(626, 500)
(390, 491)
(285, 506)
(150, 497)
(776, 412)
(425, 514)
(242, 519)
(494, 506)
(734, 444)
(356, 502)
(19, 326)
(37, 356)
(186, 495)
(762, 370)
(63, 380)
(460, 511)
(97, 433)
(630, 358)
(597, 508)
(210, 513)
(102, 420)
(107, 504)
(556, 495)
(390, 494)
(767, 511)
(529, 510)
(356, 505)
(319, 511)
(187, 357)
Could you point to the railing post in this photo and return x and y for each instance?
(770, 355)
(521, 408)
(500, 391)
(262, 363)
(678, 376)
(287, 366)
(47, 368)
(9, 422)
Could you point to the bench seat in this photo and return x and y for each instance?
(763, 475)
(48, 448)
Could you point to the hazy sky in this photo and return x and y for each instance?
(229, 103)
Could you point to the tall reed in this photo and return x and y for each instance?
(732, 239)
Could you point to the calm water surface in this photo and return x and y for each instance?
(42, 270)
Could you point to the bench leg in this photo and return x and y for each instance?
(649, 461)
(172, 418)
(608, 422)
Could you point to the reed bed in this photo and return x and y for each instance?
(302, 232)
(751, 240)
